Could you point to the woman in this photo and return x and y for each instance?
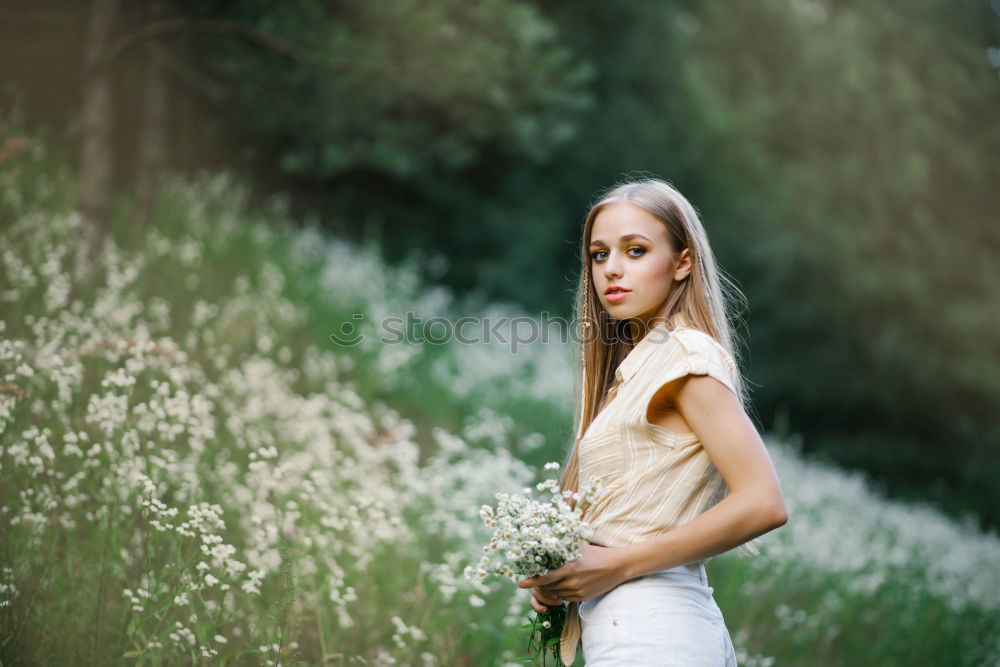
(662, 423)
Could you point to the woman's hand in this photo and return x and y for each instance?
(598, 570)
(541, 601)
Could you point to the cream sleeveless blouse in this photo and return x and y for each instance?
(654, 479)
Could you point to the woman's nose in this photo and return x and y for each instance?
(612, 269)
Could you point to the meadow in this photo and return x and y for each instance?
(193, 472)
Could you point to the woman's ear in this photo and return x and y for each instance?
(683, 269)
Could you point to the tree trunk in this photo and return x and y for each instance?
(96, 156)
(152, 132)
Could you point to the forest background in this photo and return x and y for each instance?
(843, 156)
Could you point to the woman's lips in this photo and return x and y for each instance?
(615, 297)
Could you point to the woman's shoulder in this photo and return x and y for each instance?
(701, 346)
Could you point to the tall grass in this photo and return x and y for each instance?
(192, 471)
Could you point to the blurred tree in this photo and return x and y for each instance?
(152, 143)
(874, 306)
(395, 88)
(96, 185)
(329, 90)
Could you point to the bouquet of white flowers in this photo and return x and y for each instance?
(530, 538)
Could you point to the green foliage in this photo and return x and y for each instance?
(872, 265)
(398, 88)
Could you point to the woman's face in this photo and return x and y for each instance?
(629, 248)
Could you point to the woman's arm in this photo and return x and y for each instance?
(754, 505)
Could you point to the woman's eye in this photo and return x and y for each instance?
(595, 255)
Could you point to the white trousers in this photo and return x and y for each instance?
(665, 618)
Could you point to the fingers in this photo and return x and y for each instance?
(543, 579)
(531, 582)
(552, 593)
(545, 598)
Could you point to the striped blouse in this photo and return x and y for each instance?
(653, 479)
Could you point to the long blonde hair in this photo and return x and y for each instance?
(706, 299)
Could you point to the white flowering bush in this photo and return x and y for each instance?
(191, 471)
(531, 537)
(188, 474)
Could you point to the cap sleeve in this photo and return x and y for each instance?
(698, 354)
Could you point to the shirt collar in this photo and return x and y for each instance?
(658, 335)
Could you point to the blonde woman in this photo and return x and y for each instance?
(662, 423)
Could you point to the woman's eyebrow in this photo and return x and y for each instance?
(627, 237)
